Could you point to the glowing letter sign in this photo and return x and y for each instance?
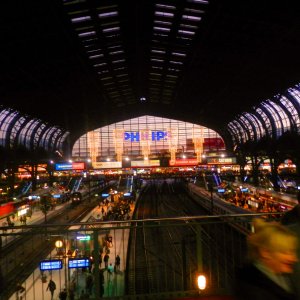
(137, 136)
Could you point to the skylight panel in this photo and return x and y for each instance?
(108, 14)
(176, 62)
(100, 65)
(156, 74)
(116, 52)
(164, 14)
(191, 18)
(80, 19)
(186, 32)
(178, 54)
(165, 6)
(111, 29)
(120, 69)
(157, 67)
(193, 11)
(96, 56)
(161, 34)
(158, 51)
(90, 40)
(189, 26)
(93, 51)
(163, 29)
(159, 22)
(198, 1)
(102, 72)
(157, 60)
(173, 70)
(88, 33)
(118, 61)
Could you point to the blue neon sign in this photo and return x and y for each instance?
(136, 136)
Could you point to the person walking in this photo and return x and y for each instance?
(63, 295)
(106, 258)
(268, 272)
(118, 263)
(89, 281)
(51, 287)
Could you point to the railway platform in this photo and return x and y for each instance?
(35, 286)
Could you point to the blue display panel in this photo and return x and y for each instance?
(221, 190)
(78, 263)
(54, 264)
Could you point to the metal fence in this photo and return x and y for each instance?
(212, 245)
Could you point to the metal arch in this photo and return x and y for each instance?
(33, 141)
(273, 108)
(4, 115)
(27, 132)
(253, 118)
(43, 137)
(293, 124)
(270, 118)
(259, 117)
(14, 116)
(295, 103)
(246, 132)
(250, 126)
(51, 137)
(59, 140)
(232, 131)
(240, 129)
(17, 139)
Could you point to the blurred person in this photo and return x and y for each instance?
(51, 287)
(272, 254)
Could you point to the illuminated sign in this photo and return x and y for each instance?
(78, 263)
(69, 166)
(55, 264)
(145, 163)
(184, 162)
(221, 190)
(107, 165)
(104, 195)
(137, 136)
(83, 237)
(221, 160)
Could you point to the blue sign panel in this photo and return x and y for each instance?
(104, 195)
(221, 190)
(245, 190)
(78, 263)
(54, 264)
(63, 167)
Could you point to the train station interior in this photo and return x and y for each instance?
(132, 130)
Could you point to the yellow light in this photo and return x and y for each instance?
(201, 282)
(59, 244)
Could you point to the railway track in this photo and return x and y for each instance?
(164, 258)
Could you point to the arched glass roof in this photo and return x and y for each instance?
(271, 118)
(136, 136)
(22, 130)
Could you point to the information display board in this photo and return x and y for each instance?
(54, 264)
(78, 263)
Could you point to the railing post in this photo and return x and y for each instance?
(96, 265)
(199, 248)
